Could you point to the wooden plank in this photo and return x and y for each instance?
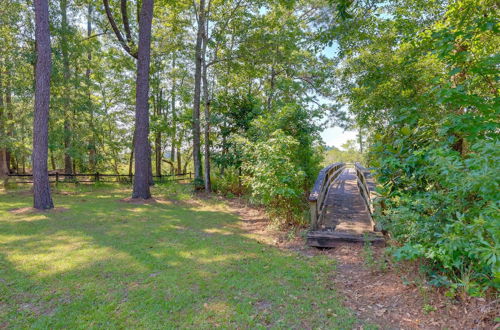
(331, 239)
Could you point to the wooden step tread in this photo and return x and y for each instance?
(329, 238)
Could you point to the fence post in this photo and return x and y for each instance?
(97, 178)
(57, 177)
(189, 175)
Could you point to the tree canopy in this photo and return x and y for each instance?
(238, 92)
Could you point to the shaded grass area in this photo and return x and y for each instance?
(176, 263)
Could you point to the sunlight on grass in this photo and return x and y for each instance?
(109, 264)
(60, 253)
(218, 231)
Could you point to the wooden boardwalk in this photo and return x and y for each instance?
(346, 216)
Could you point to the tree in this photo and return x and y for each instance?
(142, 147)
(65, 34)
(4, 165)
(41, 186)
(199, 55)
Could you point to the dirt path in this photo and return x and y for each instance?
(393, 296)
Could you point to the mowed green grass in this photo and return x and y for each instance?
(104, 263)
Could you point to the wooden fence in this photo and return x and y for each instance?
(320, 190)
(96, 177)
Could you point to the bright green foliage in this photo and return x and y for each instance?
(275, 180)
(427, 85)
(350, 154)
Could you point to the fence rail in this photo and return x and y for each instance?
(97, 177)
(320, 190)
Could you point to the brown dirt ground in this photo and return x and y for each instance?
(394, 297)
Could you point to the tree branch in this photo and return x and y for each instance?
(116, 30)
(126, 25)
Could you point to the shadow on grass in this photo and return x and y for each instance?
(107, 263)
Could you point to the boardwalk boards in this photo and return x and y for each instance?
(343, 214)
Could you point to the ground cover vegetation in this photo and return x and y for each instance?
(423, 79)
(100, 260)
(238, 91)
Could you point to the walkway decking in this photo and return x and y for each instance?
(347, 218)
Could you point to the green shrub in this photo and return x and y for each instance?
(451, 219)
(229, 184)
(273, 177)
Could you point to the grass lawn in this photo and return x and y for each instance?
(103, 263)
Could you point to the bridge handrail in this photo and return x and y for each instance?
(320, 190)
(366, 187)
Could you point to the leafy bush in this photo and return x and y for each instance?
(273, 177)
(431, 100)
(453, 221)
(229, 184)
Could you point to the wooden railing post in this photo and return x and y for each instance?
(365, 191)
(57, 177)
(319, 192)
(314, 214)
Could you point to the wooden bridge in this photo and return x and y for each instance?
(341, 206)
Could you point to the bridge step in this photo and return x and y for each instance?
(329, 239)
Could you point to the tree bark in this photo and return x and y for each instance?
(187, 162)
(10, 118)
(92, 144)
(68, 166)
(179, 164)
(117, 32)
(4, 166)
(158, 153)
(206, 101)
(41, 188)
(197, 96)
(174, 115)
(53, 161)
(142, 147)
(131, 159)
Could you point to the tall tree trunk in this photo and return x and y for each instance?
(271, 89)
(4, 167)
(187, 162)
(53, 161)
(41, 187)
(68, 167)
(174, 114)
(142, 147)
(179, 164)
(158, 151)
(206, 101)
(197, 96)
(92, 144)
(151, 181)
(131, 159)
(10, 117)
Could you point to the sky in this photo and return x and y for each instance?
(336, 136)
